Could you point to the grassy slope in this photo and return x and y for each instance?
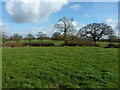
(59, 67)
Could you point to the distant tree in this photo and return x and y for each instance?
(21, 37)
(95, 31)
(56, 36)
(41, 35)
(11, 38)
(29, 37)
(65, 25)
(112, 37)
(17, 37)
(4, 37)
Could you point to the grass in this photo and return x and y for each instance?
(60, 67)
(104, 44)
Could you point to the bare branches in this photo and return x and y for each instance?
(64, 25)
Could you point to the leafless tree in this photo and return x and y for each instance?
(29, 37)
(17, 37)
(4, 37)
(41, 35)
(64, 25)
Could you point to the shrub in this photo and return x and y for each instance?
(38, 44)
(47, 44)
(79, 41)
(31, 44)
(80, 44)
(13, 44)
(113, 40)
(113, 46)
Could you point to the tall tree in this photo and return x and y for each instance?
(95, 31)
(65, 25)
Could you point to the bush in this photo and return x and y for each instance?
(38, 44)
(13, 44)
(113, 40)
(77, 40)
(113, 46)
(80, 44)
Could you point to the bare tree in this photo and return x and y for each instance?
(17, 37)
(64, 25)
(95, 31)
(4, 37)
(29, 37)
(41, 35)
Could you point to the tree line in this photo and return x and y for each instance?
(65, 29)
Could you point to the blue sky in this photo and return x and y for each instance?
(82, 12)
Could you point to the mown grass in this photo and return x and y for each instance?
(60, 67)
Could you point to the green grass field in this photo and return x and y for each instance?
(60, 67)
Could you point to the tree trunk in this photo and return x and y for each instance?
(94, 41)
(65, 38)
(29, 40)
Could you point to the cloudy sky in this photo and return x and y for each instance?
(31, 17)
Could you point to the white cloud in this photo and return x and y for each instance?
(115, 28)
(75, 23)
(75, 30)
(33, 11)
(3, 24)
(75, 7)
(110, 20)
(113, 23)
(87, 15)
(35, 30)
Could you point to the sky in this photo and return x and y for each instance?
(33, 17)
